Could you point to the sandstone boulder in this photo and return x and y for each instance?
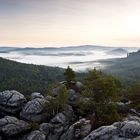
(11, 101)
(11, 126)
(127, 129)
(34, 110)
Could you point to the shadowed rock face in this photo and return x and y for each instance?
(11, 126)
(11, 101)
(33, 110)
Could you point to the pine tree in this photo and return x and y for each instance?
(69, 76)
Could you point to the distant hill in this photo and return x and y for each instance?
(118, 51)
(55, 50)
(7, 49)
(67, 48)
(134, 56)
(128, 67)
(27, 78)
(47, 50)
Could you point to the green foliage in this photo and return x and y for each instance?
(135, 88)
(33, 126)
(128, 68)
(58, 104)
(134, 95)
(102, 90)
(85, 107)
(27, 78)
(106, 113)
(101, 87)
(99, 94)
(69, 76)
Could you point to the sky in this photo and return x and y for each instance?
(42, 23)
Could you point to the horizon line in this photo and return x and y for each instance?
(66, 46)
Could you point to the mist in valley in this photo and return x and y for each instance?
(79, 58)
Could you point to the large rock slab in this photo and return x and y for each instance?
(34, 110)
(11, 101)
(127, 129)
(104, 133)
(11, 126)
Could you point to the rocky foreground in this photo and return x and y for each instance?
(22, 119)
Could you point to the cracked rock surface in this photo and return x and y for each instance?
(125, 130)
(11, 126)
(33, 110)
(11, 101)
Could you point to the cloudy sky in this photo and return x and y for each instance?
(40, 23)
